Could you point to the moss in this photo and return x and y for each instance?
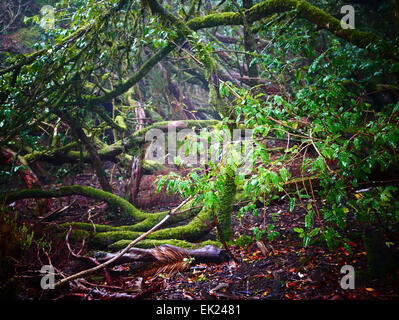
(150, 166)
(155, 116)
(119, 237)
(395, 5)
(146, 244)
(212, 243)
(154, 218)
(40, 155)
(214, 20)
(41, 3)
(151, 243)
(90, 192)
(107, 238)
(183, 123)
(107, 235)
(305, 10)
(225, 209)
(121, 122)
(76, 234)
(191, 231)
(94, 101)
(243, 241)
(89, 227)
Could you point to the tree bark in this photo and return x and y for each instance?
(250, 46)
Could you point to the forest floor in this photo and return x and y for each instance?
(281, 269)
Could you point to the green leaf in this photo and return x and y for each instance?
(308, 220)
(314, 232)
(299, 230)
(306, 241)
(292, 204)
(284, 174)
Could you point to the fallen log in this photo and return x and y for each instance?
(158, 258)
(207, 254)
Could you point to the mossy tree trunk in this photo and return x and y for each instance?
(225, 209)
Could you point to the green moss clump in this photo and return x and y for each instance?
(150, 166)
(191, 231)
(121, 122)
(243, 241)
(305, 10)
(212, 243)
(78, 234)
(155, 218)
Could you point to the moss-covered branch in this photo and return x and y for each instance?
(50, 153)
(64, 154)
(89, 192)
(304, 10)
(108, 235)
(178, 124)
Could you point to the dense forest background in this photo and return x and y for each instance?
(247, 143)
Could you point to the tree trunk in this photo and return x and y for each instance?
(250, 46)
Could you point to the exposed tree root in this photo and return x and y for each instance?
(107, 235)
(90, 192)
(115, 238)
